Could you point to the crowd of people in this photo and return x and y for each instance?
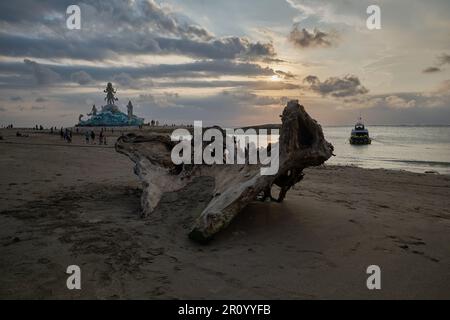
(89, 136)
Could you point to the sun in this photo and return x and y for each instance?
(275, 78)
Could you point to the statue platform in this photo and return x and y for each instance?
(111, 116)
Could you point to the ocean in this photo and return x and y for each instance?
(410, 148)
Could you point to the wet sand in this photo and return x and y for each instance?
(78, 204)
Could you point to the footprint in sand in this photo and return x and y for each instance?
(43, 261)
(409, 244)
(158, 291)
(425, 255)
(156, 251)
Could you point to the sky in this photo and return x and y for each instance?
(231, 63)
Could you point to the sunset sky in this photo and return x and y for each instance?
(232, 63)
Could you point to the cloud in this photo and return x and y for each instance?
(243, 96)
(81, 77)
(125, 80)
(222, 48)
(397, 102)
(99, 47)
(310, 39)
(42, 74)
(12, 13)
(207, 68)
(273, 60)
(164, 20)
(444, 59)
(258, 49)
(436, 99)
(341, 12)
(235, 97)
(285, 75)
(431, 70)
(38, 108)
(114, 28)
(45, 73)
(104, 15)
(271, 85)
(164, 100)
(252, 85)
(346, 86)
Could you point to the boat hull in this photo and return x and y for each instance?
(360, 140)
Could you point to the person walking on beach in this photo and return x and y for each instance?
(69, 136)
(93, 136)
(86, 136)
(100, 137)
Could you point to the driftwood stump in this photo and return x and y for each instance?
(301, 144)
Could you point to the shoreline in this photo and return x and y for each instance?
(424, 157)
(430, 172)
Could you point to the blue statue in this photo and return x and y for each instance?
(110, 114)
(110, 92)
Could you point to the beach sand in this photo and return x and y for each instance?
(78, 204)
